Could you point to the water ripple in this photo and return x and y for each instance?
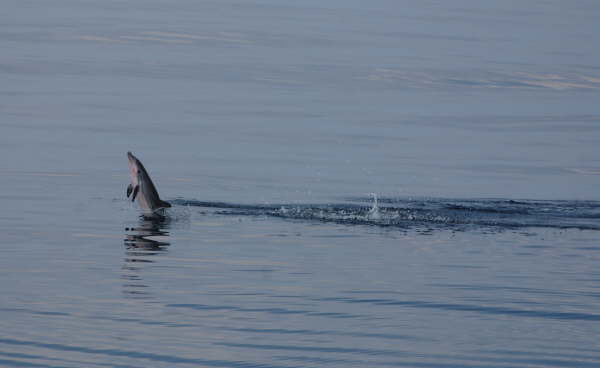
(482, 309)
(205, 307)
(170, 359)
(324, 332)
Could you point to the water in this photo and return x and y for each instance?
(353, 184)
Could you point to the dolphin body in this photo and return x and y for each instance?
(143, 189)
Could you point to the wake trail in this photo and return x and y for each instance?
(401, 213)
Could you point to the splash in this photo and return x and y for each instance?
(402, 213)
(373, 213)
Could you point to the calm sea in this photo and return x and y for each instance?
(366, 184)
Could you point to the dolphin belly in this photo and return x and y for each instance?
(142, 188)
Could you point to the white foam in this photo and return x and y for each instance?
(374, 213)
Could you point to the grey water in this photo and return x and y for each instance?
(368, 184)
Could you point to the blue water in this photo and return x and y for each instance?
(353, 184)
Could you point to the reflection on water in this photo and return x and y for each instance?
(142, 244)
(150, 234)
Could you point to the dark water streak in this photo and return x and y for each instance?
(401, 213)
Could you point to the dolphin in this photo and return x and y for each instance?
(143, 189)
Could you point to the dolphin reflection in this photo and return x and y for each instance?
(150, 234)
(142, 244)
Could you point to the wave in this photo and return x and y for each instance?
(402, 213)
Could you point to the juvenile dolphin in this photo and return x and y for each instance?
(143, 189)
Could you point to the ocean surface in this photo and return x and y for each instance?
(354, 184)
